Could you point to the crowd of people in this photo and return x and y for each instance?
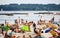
(22, 26)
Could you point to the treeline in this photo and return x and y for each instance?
(30, 7)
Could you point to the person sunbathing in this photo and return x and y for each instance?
(39, 22)
(16, 30)
(58, 31)
(38, 32)
(53, 33)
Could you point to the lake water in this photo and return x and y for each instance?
(29, 17)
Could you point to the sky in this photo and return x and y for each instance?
(30, 1)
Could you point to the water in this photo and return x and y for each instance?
(29, 17)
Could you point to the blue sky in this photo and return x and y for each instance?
(30, 1)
